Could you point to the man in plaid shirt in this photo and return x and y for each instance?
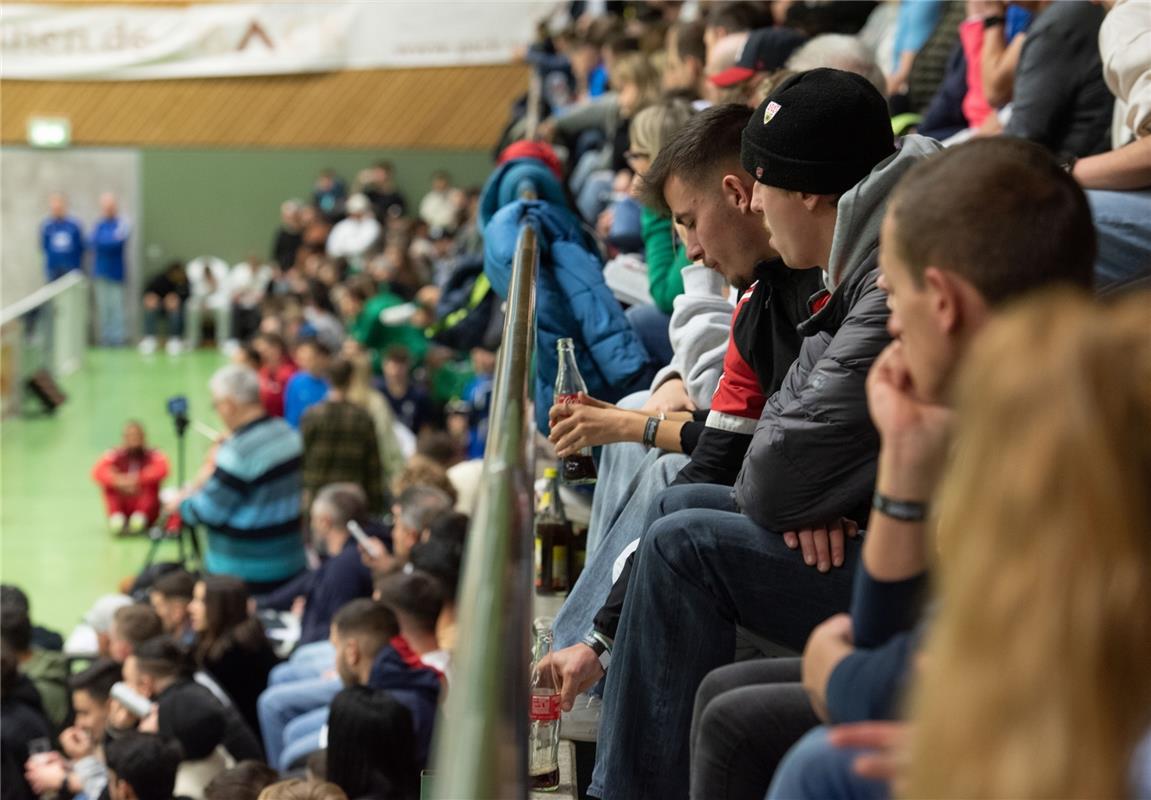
(340, 442)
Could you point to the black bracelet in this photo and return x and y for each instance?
(902, 510)
(649, 431)
(991, 22)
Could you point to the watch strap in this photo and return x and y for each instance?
(902, 510)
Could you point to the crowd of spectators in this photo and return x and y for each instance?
(859, 292)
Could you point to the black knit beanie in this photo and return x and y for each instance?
(819, 132)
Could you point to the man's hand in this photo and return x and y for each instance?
(77, 743)
(576, 668)
(829, 643)
(379, 563)
(887, 740)
(822, 545)
(46, 774)
(914, 433)
(590, 422)
(669, 397)
(121, 718)
(298, 606)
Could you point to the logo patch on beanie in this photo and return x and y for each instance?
(770, 112)
(758, 173)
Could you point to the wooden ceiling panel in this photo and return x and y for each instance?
(457, 108)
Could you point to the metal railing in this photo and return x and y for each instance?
(481, 738)
(47, 330)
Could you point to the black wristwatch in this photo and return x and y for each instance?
(992, 22)
(599, 646)
(902, 510)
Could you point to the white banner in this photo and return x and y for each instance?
(60, 42)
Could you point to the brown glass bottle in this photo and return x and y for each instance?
(553, 535)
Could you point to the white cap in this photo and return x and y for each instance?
(100, 615)
(358, 204)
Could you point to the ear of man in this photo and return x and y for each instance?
(737, 192)
(956, 303)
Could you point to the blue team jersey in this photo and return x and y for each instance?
(62, 241)
(108, 240)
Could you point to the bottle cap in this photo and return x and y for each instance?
(551, 472)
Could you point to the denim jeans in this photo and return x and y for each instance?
(747, 716)
(817, 770)
(701, 569)
(175, 319)
(110, 311)
(302, 737)
(307, 661)
(295, 688)
(631, 476)
(651, 325)
(1123, 228)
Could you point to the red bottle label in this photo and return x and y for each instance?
(566, 399)
(545, 707)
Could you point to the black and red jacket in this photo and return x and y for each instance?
(764, 342)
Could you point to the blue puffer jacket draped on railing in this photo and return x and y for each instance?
(572, 300)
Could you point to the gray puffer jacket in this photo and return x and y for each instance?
(813, 456)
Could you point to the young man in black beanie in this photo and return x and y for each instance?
(821, 150)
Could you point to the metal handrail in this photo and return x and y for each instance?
(42, 295)
(480, 748)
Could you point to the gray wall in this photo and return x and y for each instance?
(28, 176)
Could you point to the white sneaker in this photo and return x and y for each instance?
(581, 724)
(175, 347)
(147, 345)
(137, 522)
(116, 523)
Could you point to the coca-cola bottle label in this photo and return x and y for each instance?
(566, 399)
(545, 707)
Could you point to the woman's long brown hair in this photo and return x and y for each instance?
(1035, 679)
(228, 623)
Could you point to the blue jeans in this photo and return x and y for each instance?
(295, 688)
(1124, 236)
(306, 662)
(631, 477)
(816, 770)
(110, 311)
(651, 325)
(702, 568)
(302, 737)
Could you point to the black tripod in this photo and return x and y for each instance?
(159, 533)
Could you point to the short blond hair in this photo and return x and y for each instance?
(298, 789)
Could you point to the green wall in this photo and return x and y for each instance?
(227, 202)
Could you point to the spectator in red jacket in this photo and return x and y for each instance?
(130, 476)
(276, 368)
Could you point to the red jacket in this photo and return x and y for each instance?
(150, 467)
(273, 381)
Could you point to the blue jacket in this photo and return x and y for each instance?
(302, 392)
(413, 683)
(572, 300)
(503, 187)
(108, 240)
(62, 241)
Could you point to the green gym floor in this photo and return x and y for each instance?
(53, 540)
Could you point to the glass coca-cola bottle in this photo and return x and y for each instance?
(544, 734)
(580, 467)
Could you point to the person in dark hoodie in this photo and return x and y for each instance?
(821, 150)
(22, 720)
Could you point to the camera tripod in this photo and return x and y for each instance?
(185, 534)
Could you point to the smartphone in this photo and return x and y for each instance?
(132, 700)
(373, 547)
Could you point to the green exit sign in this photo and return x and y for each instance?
(49, 131)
